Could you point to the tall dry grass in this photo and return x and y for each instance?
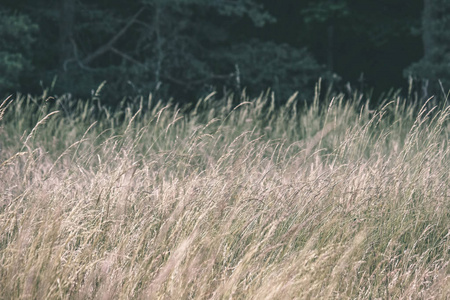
(223, 201)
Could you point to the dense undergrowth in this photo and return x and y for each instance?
(221, 201)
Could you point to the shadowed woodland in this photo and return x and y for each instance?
(188, 48)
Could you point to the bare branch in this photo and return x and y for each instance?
(128, 57)
(106, 47)
(76, 58)
(146, 25)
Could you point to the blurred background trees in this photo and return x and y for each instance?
(17, 34)
(435, 63)
(187, 48)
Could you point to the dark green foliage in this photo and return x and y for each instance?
(17, 34)
(168, 48)
(265, 64)
(325, 10)
(187, 48)
(435, 65)
(367, 43)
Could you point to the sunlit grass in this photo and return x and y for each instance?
(223, 200)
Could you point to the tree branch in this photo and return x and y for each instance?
(76, 58)
(101, 50)
(128, 57)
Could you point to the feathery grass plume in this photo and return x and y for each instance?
(4, 105)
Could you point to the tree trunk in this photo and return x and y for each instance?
(66, 27)
(331, 38)
(159, 52)
(330, 46)
(427, 34)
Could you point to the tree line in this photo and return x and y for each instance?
(187, 48)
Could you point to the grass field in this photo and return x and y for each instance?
(224, 201)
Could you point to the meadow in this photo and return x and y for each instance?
(221, 200)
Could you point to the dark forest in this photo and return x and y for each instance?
(188, 48)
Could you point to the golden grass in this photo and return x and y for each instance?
(223, 201)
